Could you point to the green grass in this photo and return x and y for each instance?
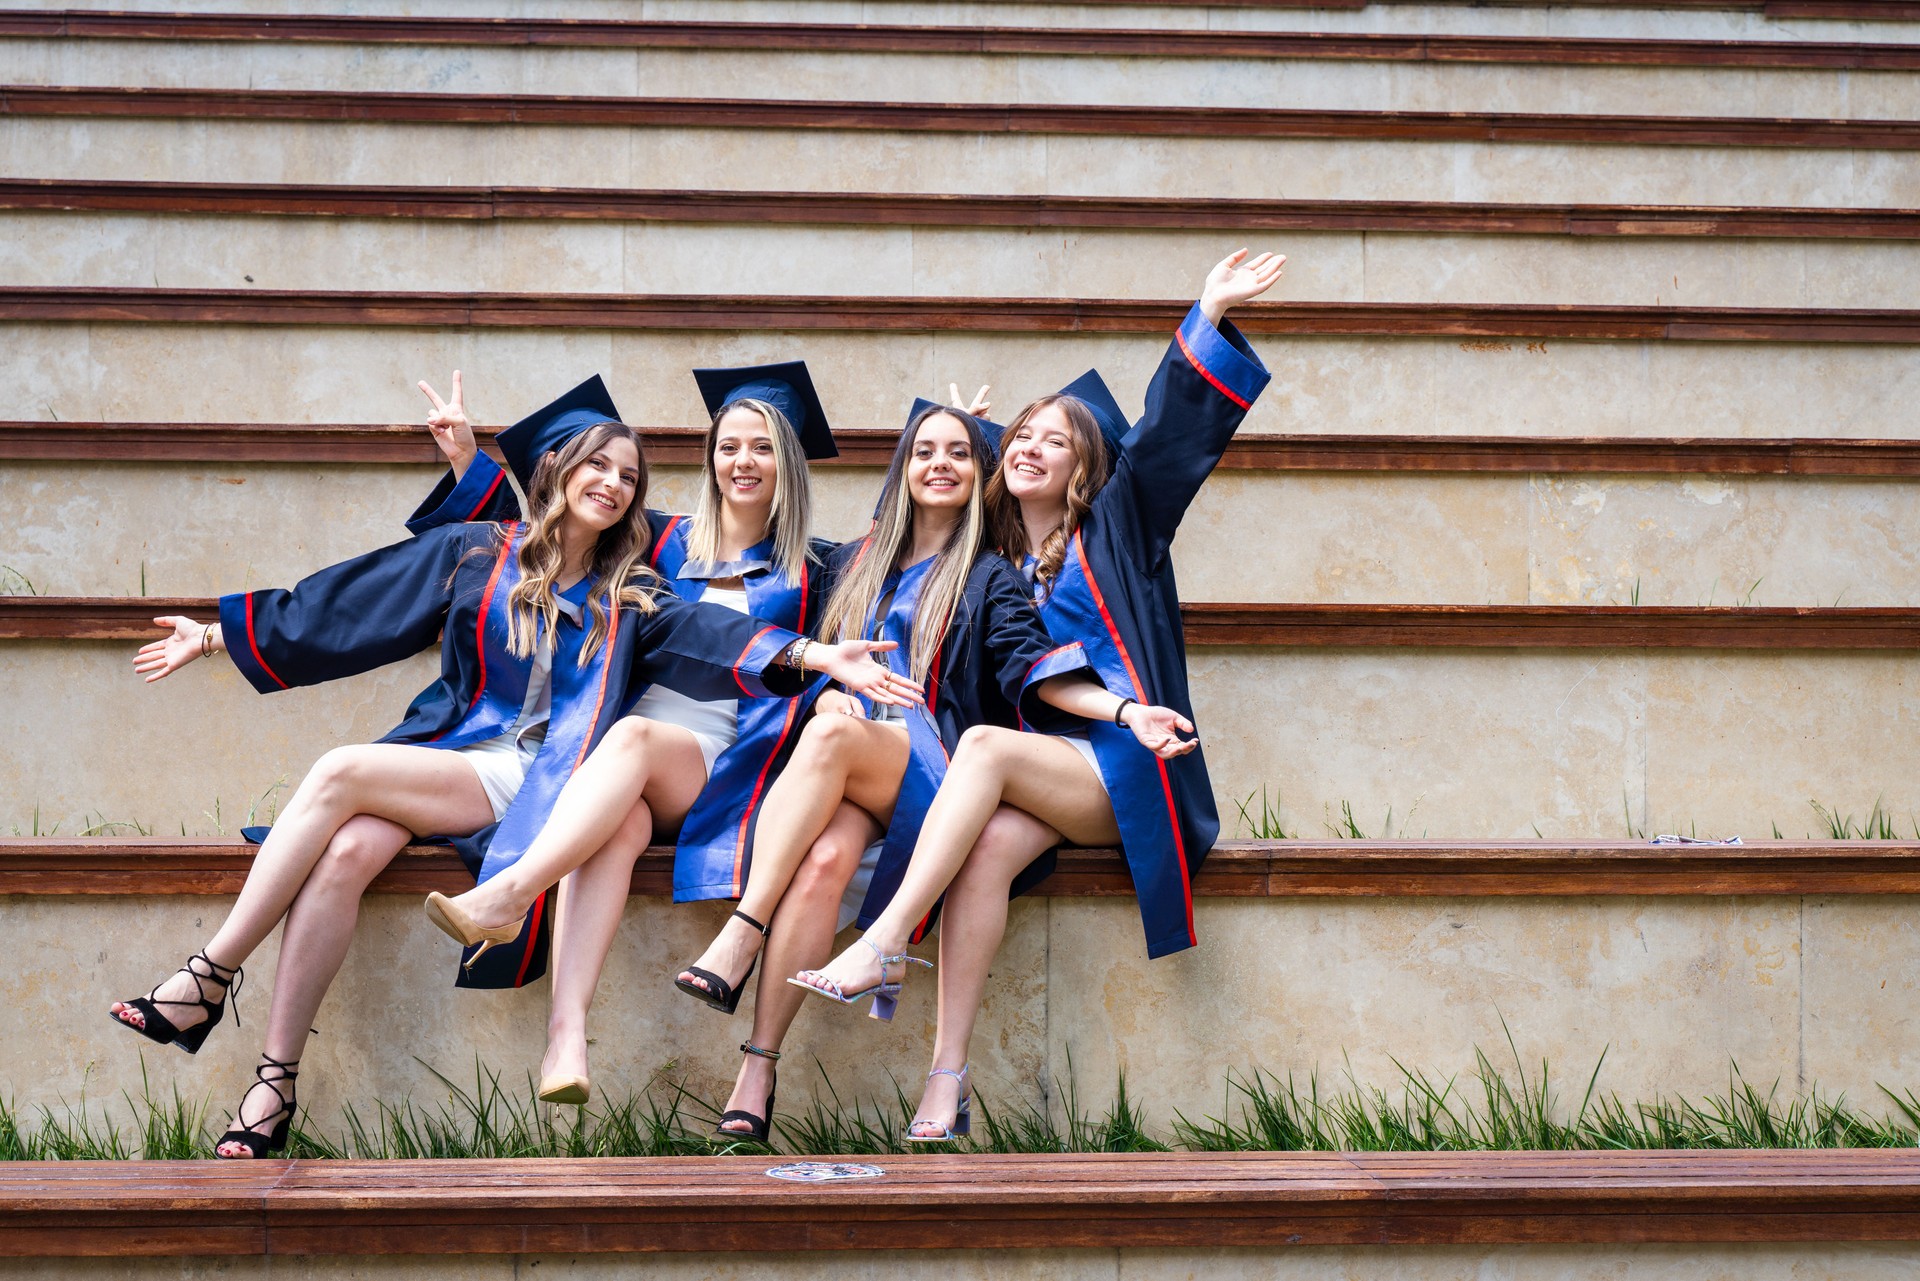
(1491, 1108)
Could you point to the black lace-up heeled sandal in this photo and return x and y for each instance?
(156, 1026)
(256, 1143)
(762, 1125)
(720, 994)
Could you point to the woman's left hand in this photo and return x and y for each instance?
(853, 665)
(1234, 280)
(978, 406)
(1158, 729)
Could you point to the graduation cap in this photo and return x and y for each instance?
(786, 386)
(1090, 389)
(528, 441)
(991, 430)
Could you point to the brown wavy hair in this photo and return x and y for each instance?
(1091, 469)
(618, 567)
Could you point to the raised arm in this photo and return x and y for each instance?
(475, 487)
(1207, 380)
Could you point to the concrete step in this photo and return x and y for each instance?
(1732, 20)
(183, 529)
(209, 373)
(50, 249)
(1472, 743)
(1798, 990)
(118, 148)
(1211, 80)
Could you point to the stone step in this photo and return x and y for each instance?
(1796, 20)
(239, 150)
(209, 372)
(1802, 990)
(1470, 743)
(1212, 70)
(201, 251)
(1362, 537)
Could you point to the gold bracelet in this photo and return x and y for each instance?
(206, 641)
(800, 655)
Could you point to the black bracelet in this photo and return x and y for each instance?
(1125, 703)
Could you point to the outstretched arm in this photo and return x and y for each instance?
(186, 641)
(1158, 729)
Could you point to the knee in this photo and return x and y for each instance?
(828, 737)
(986, 746)
(335, 775)
(351, 860)
(828, 866)
(629, 736)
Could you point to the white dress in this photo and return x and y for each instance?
(714, 725)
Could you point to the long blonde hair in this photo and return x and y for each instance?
(853, 599)
(1091, 467)
(619, 562)
(792, 495)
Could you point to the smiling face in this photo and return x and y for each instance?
(599, 491)
(1039, 458)
(746, 469)
(941, 469)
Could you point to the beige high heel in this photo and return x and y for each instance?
(562, 1088)
(460, 927)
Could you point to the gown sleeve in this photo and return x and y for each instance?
(350, 618)
(709, 652)
(482, 494)
(1022, 654)
(1206, 382)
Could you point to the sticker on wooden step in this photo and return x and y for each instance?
(824, 1171)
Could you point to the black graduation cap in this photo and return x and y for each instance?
(526, 442)
(1090, 389)
(786, 386)
(991, 430)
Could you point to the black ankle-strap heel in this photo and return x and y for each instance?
(762, 1125)
(720, 994)
(256, 1143)
(156, 1026)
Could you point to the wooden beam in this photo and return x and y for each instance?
(116, 618)
(335, 106)
(62, 867)
(357, 443)
(1101, 1201)
(579, 33)
(891, 209)
(1494, 321)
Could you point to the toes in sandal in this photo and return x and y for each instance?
(256, 1143)
(156, 1026)
(720, 994)
(962, 1115)
(886, 996)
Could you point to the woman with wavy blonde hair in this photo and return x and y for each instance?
(542, 627)
(1088, 507)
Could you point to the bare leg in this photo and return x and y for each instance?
(1038, 773)
(421, 789)
(318, 932)
(972, 924)
(638, 760)
(838, 758)
(803, 930)
(592, 899)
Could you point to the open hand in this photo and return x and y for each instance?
(978, 406)
(159, 659)
(450, 428)
(1158, 729)
(833, 702)
(852, 663)
(1234, 280)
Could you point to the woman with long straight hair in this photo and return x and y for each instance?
(1089, 508)
(968, 633)
(671, 762)
(542, 625)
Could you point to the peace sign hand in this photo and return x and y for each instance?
(451, 430)
(1234, 280)
(980, 403)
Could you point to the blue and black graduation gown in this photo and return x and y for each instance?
(452, 583)
(1115, 595)
(715, 845)
(995, 654)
